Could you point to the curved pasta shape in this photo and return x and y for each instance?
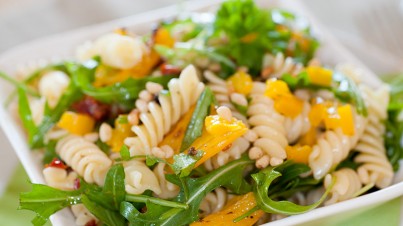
(139, 178)
(168, 190)
(298, 126)
(52, 85)
(82, 214)
(115, 50)
(214, 201)
(333, 147)
(158, 120)
(278, 65)
(346, 186)
(267, 124)
(240, 146)
(86, 159)
(222, 94)
(59, 178)
(375, 166)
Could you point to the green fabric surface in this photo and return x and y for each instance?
(386, 214)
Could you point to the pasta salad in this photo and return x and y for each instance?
(208, 119)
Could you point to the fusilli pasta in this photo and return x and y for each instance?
(214, 201)
(59, 178)
(140, 178)
(268, 125)
(375, 166)
(82, 214)
(277, 66)
(298, 126)
(334, 146)
(346, 186)
(183, 93)
(86, 159)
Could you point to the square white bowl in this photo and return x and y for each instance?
(62, 46)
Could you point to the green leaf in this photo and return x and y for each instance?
(45, 201)
(25, 114)
(19, 85)
(184, 163)
(198, 189)
(195, 127)
(122, 92)
(348, 91)
(70, 95)
(50, 152)
(108, 217)
(263, 181)
(114, 187)
(125, 153)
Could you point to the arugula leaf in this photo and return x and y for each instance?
(19, 85)
(184, 163)
(114, 187)
(70, 95)
(198, 189)
(50, 152)
(263, 181)
(125, 153)
(349, 92)
(25, 114)
(195, 127)
(122, 92)
(46, 201)
(108, 217)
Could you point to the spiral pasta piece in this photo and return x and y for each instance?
(239, 147)
(346, 186)
(375, 166)
(59, 178)
(168, 190)
(139, 178)
(298, 126)
(158, 120)
(268, 125)
(222, 94)
(333, 147)
(214, 201)
(278, 65)
(86, 159)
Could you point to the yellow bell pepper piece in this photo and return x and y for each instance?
(317, 114)
(236, 207)
(276, 88)
(119, 134)
(241, 82)
(217, 136)
(284, 101)
(175, 136)
(310, 138)
(332, 119)
(298, 153)
(76, 123)
(319, 75)
(163, 37)
(346, 119)
(289, 105)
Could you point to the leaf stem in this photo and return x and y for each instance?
(144, 199)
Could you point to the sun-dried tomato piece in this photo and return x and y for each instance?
(57, 163)
(92, 222)
(169, 69)
(92, 107)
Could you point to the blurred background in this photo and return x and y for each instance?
(371, 29)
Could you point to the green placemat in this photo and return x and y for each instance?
(386, 214)
(9, 214)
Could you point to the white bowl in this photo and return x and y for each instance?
(62, 46)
